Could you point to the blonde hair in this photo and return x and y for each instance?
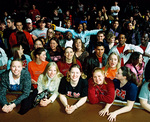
(97, 69)
(83, 76)
(48, 66)
(109, 36)
(107, 64)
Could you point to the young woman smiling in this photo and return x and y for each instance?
(100, 89)
(74, 85)
(50, 80)
(68, 60)
(37, 66)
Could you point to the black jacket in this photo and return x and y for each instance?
(91, 62)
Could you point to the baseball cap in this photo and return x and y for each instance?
(28, 20)
(37, 16)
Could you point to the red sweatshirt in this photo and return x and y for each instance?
(101, 93)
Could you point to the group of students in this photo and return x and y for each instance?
(66, 78)
(66, 68)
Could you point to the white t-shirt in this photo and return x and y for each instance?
(69, 43)
(115, 8)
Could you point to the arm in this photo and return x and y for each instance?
(145, 105)
(26, 85)
(127, 108)
(81, 102)
(63, 99)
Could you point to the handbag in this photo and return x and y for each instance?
(43, 95)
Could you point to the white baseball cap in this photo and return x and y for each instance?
(28, 20)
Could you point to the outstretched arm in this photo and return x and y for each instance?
(127, 108)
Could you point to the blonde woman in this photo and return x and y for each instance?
(111, 40)
(49, 80)
(112, 65)
(74, 85)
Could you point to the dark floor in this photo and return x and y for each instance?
(87, 113)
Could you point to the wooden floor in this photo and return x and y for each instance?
(87, 113)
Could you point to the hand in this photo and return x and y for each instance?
(5, 108)
(127, 52)
(44, 102)
(104, 112)
(112, 116)
(34, 37)
(11, 107)
(70, 109)
(33, 81)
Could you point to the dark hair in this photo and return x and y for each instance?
(38, 39)
(16, 59)
(134, 58)
(11, 19)
(38, 51)
(130, 76)
(14, 51)
(58, 48)
(99, 44)
(101, 32)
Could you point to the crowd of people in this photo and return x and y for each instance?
(91, 55)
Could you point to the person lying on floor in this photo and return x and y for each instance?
(15, 79)
(73, 85)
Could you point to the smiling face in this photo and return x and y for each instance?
(99, 51)
(52, 71)
(69, 53)
(38, 44)
(78, 44)
(140, 59)
(113, 61)
(122, 39)
(98, 77)
(19, 26)
(80, 28)
(42, 56)
(16, 68)
(53, 45)
(75, 74)
(100, 37)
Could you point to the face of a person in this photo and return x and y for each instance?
(113, 61)
(75, 74)
(98, 78)
(99, 51)
(50, 33)
(140, 59)
(9, 23)
(57, 35)
(144, 40)
(122, 39)
(42, 56)
(69, 36)
(42, 25)
(78, 44)
(29, 25)
(116, 24)
(69, 53)
(112, 39)
(19, 26)
(119, 75)
(130, 27)
(68, 24)
(52, 71)
(20, 51)
(80, 28)
(100, 37)
(33, 6)
(16, 68)
(48, 24)
(38, 44)
(53, 44)
(85, 26)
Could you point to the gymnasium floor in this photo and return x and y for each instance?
(87, 113)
